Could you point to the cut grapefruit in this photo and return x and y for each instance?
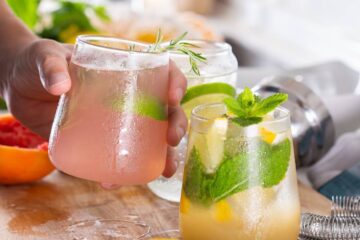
(23, 154)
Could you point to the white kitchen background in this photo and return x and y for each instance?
(296, 32)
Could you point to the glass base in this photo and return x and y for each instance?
(166, 188)
(170, 188)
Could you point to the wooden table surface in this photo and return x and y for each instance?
(63, 207)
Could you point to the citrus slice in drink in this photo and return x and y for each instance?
(142, 105)
(23, 154)
(211, 145)
(206, 93)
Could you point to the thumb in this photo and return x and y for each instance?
(52, 65)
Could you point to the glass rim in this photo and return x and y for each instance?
(224, 47)
(197, 117)
(86, 39)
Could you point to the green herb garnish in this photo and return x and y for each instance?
(178, 44)
(250, 108)
(265, 166)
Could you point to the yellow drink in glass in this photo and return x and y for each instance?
(239, 182)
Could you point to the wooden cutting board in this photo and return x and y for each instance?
(63, 207)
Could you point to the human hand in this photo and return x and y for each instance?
(39, 74)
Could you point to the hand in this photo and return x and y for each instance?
(39, 74)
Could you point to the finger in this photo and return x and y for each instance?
(52, 64)
(171, 163)
(177, 125)
(177, 85)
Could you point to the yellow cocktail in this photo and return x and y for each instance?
(240, 178)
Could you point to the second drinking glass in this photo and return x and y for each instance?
(216, 81)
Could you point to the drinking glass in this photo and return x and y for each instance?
(217, 81)
(239, 182)
(111, 126)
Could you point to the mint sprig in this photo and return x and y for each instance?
(250, 108)
(266, 167)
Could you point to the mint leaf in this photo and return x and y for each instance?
(234, 107)
(196, 186)
(261, 164)
(231, 177)
(268, 104)
(275, 167)
(246, 99)
(250, 108)
(244, 122)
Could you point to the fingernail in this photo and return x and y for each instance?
(179, 94)
(180, 132)
(57, 78)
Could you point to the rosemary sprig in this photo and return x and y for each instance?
(178, 44)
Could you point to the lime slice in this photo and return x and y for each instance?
(142, 105)
(206, 93)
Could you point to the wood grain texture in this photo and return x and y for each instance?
(62, 207)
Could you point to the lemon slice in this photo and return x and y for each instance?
(206, 93)
(210, 144)
(215, 139)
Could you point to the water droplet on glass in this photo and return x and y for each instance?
(124, 152)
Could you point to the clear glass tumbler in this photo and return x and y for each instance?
(111, 126)
(239, 182)
(217, 81)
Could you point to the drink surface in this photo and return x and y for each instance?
(239, 183)
(111, 126)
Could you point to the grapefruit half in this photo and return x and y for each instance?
(23, 154)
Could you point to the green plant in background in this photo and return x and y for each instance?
(68, 20)
(72, 18)
(27, 11)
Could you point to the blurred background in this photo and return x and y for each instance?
(265, 33)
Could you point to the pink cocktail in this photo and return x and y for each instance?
(111, 126)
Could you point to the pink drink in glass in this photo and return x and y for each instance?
(111, 126)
